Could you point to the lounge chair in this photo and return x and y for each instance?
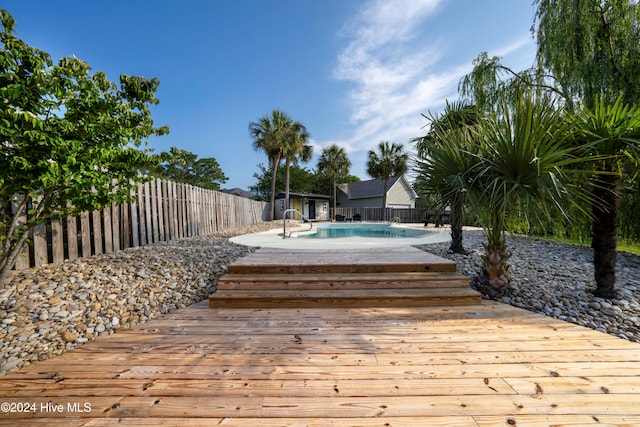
(357, 217)
(340, 218)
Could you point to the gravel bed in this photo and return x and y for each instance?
(48, 310)
(556, 279)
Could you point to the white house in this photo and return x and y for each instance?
(368, 194)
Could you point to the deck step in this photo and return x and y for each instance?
(343, 281)
(267, 261)
(406, 277)
(339, 267)
(345, 298)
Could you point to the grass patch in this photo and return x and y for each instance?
(623, 244)
(631, 247)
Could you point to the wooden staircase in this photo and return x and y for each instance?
(388, 277)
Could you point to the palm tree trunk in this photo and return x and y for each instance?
(272, 209)
(495, 276)
(334, 198)
(605, 234)
(457, 209)
(286, 187)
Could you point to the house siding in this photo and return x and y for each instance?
(372, 202)
(399, 196)
(301, 204)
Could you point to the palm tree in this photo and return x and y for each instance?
(391, 162)
(613, 131)
(614, 135)
(295, 148)
(521, 170)
(335, 163)
(269, 134)
(442, 154)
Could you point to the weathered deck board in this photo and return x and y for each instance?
(401, 280)
(343, 298)
(403, 259)
(363, 278)
(483, 365)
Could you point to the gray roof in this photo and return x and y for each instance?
(303, 195)
(239, 192)
(371, 188)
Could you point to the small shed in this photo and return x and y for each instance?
(313, 206)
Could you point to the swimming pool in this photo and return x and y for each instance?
(273, 239)
(376, 231)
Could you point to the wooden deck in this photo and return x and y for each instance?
(486, 364)
(390, 277)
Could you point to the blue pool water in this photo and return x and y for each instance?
(334, 231)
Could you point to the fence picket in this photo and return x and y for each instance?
(135, 225)
(72, 238)
(115, 218)
(85, 233)
(162, 206)
(141, 216)
(108, 235)
(57, 241)
(147, 213)
(23, 259)
(97, 232)
(125, 226)
(154, 212)
(162, 210)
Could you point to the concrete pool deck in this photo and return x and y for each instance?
(273, 239)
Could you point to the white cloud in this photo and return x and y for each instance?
(388, 68)
(394, 66)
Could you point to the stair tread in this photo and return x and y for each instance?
(404, 275)
(351, 298)
(347, 293)
(342, 268)
(341, 284)
(363, 278)
(408, 259)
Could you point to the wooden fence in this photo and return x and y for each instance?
(413, 215)
(163, 210)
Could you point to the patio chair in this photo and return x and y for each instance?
(357, 217)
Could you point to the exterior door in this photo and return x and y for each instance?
(312, 209)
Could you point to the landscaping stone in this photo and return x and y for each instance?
(557, 279)
(77, 301)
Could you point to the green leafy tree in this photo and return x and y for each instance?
(68, 139)
(270, 134)
(183, 166)
(592, 47)
(490, 82)
(335, 163)
(390, 162)
(443, 152)
(302, 180)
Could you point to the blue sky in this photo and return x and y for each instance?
(353, 72)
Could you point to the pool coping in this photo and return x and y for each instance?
(274, 239)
